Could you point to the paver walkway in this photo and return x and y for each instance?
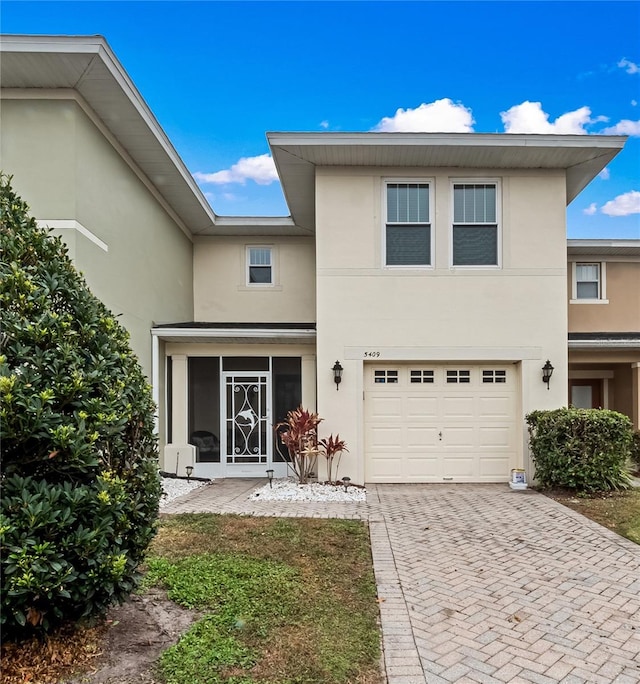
(479, 583)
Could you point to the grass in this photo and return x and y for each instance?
(279, 601)
(285, 601)
(619, 511)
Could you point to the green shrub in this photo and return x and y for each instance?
(635, 451)
(79, 456)
(586, 450)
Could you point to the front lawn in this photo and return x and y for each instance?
(277, 601)
(619, 511)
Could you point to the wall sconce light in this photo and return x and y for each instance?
(189, 470)
(337, 374)
(345, 482)
(547, 372)
(270, 476)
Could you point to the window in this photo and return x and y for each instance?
(260, 266)
(494, 376)
(458, 376)
(408, 225)
(588, 282)
(385, 377)
(475, 224)
(421, 376)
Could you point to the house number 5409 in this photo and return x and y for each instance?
(371, 354)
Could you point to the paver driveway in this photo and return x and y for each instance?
(482, 584)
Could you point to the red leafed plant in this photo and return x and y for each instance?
(332, 447)
(299, 434)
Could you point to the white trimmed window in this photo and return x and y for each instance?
(589, 283)
(476, 234)
(259, 265)
(408, 235)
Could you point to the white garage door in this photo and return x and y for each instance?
(440, 422)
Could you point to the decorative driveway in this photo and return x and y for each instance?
(478, 583)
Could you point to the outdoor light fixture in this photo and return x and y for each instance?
(547, 372)
(189, 470)
(345, 481)
(270, 476)
(337, 374)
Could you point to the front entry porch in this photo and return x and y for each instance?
(223, 402)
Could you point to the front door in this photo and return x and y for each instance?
(585, 394)
(247, 433)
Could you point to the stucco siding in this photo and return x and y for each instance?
(37, 149)
(221, 292)
(621, 313)
(133, 254)
(515, 313)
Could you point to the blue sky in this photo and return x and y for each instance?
(218, 75)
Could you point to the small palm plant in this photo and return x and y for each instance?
(299, 434)
(332, 447)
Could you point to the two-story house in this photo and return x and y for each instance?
(412, 297)
(604, 325)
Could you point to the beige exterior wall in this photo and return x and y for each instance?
(620, 311)
(221, 292)
(135, 257)
(515, 313)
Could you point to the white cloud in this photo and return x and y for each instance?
(528, 117)
(623, 205)
(435, 117)
(324, 124)
(624, 127)
(591, 209)
(605, 174)
(629, 67)
(634, 103)
(260, 169)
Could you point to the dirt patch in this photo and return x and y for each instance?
(137, 633)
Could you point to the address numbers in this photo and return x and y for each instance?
(372, 355)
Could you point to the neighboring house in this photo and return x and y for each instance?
(431, 267)
(604, 325)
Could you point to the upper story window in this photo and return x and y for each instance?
(589, 283)
(475, 240)
(259, 266)
(408, 224)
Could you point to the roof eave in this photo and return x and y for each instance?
(189, 204)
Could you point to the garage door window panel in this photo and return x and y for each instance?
(388, 377)
(458, 377)
(494, 376)
(422, 377)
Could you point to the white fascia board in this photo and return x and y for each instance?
(47, 43)
(444, 139)
(127, 86)
(257, 333)
(604, 344)
(618, 244)
(255, 225)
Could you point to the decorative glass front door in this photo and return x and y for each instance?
(247, 431)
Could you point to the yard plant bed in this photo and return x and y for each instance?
(268, 600)
(619, 511)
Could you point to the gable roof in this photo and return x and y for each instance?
(297, 155)
(88, 66)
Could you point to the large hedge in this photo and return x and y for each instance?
(586, 450)
(80, 483)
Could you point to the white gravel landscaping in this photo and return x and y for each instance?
(290, 490)
(173, 487)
